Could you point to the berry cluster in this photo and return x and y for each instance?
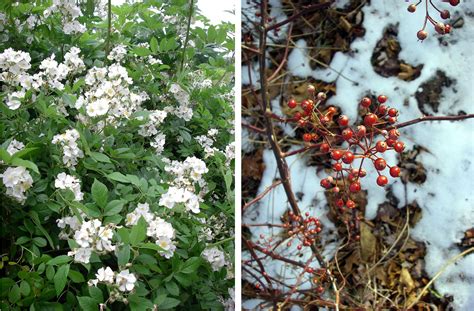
(440, 27)
(304, 229)
(344, 144)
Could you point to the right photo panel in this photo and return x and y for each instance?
(357, 143)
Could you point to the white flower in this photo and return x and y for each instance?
(17, 180)
(98, 107)
(64, 181)
(82, 254)
(14, 100)
(215, 257)
(167, 245)
(159, 143)
(14, 146)
(125, 281)
(105, 275)
(71, 151)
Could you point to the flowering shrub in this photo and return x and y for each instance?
(116, 157)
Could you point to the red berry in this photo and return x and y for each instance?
(365, 102)
(361, 131)
(392, 120)
(381, 146)
(324, 148)
(309, 270)
(325, 183)
(343, 120)
(395, 171)
(292, 103)
(411, 8)
(307, 137)
(393, 134)
(348, 157)
(324, 119)
(422, 35)
(439, 27)
(380, 164)
(340, 203)
(445, 14)
(257, 286)
(311, 89)
(382, 180)
(336, 154)
(321, 96)
(297, 116)
(454, 2)
(399, 146)
(299, 247)
(381, 109)
(308, 107)
(331, 110)
(370, 119)
(447, 28)
(337, 167)
(350, 204)
(392, 112)
(382, 99)
(354, 187)
(390, 142)
(347, 134)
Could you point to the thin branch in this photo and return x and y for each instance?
(433, 118)
(305, 10)
(109, 27)
(261, 195)
(186, 39)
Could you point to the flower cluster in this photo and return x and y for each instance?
(206, 142)
(71, 150)
(158, 229)
(92, 236)
(150, 128)
(69, 12)
(123, 280)
(184, 110)
(182, 190)
(17, 180)
(108, 92)
(65, 181)
(118, 53)
(215, 257)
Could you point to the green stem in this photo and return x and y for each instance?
(109, 27)
(221, 242)
(191, 4)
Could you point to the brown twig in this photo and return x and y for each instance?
(261, 195)
(433, 118)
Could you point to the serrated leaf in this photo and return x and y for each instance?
(88, 303)
(100, 157)
(62, 259)
(154, 45)
(138, 232)
(172, 288)
(123, 255)
(169, 303)
(60, 279)
(191, 265)
(114, 207)
(116, 176)
(100, 193)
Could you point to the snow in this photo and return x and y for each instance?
(446, 198)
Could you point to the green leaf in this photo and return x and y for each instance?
(191, 265)
(60, 279)
(139, 303)
(123, 255)
(15, 294)
(69, 100)
(99, 157)
(25, 163)
(40, 242)
(76, 276)
(50, 272)
(22, 240)
(62, 259)
(169, 303)
(172, 288)
(96, 293)
(116, 176)
(141, 51)
(37, 222)
(154, 45)
(88, 304)
(25, 288)
(5, 156)
(114, 207)
(138, 233)
(150, 245)
(100, 193)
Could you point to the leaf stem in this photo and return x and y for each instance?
(186, 39)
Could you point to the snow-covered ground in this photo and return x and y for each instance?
(446, 198)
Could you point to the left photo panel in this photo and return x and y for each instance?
(117, 155)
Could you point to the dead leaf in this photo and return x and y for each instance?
(406, 279)
(368, 242)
